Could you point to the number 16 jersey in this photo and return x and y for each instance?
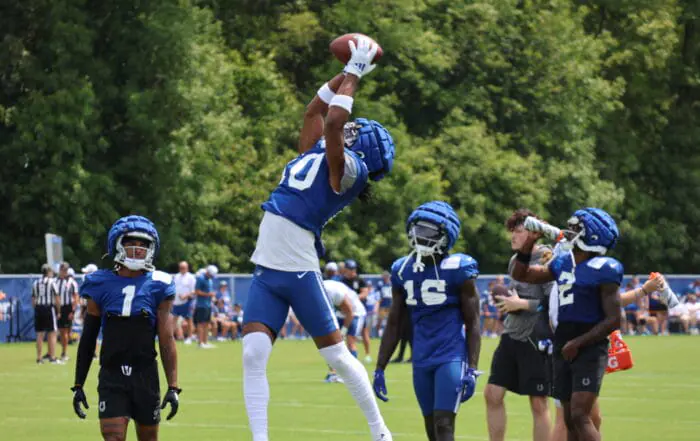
(435, 307)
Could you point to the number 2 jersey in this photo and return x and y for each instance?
(297, 210)
(435, 307)
(580, 305)
(129, 308)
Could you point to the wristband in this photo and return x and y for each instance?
(523, 258)
(343, 101)
(325, 94)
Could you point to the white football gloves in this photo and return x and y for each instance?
(361, 57)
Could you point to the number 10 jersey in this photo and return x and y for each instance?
(435, 307)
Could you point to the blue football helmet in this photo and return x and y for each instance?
(433, 228)
(595, 230)
(373, 144)
(137, 227)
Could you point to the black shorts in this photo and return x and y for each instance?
(44, 319)
(520, 367)
(202, 315)
(130, 392)
(584, 374)
(65, 321)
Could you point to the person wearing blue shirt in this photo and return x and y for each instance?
(204, 291)
(588, 311)
(131, 306)
(440, 298)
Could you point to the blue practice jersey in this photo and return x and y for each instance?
(304, 195)
(579, 286)
(127, 297)
(434, 305)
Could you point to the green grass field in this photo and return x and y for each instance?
(657, 400)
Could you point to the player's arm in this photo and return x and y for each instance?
(610, 300)
(469, 304)
(338, 114)
(316, 111)
(56, 299)
(650, 286)
(523, 271)
(398, 313)
(166, 342)
(346, 308)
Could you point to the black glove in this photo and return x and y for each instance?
(171, 396)
(78, 399)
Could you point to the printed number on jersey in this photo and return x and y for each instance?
(303, 171)
(129, 293)
(432, 292)
(566, 294)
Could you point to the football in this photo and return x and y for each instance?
(499, 290)
(340, 48)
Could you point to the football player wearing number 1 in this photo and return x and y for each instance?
(440, 299)
(589, 310)
(132, 305)
(336, 160)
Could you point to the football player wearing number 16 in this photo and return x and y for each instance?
(336, 160)
(440, 299)
(589, 310)
(132, 305)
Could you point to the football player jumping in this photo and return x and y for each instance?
(440, 297)
(336, 160)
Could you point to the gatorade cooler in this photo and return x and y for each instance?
(619, 354)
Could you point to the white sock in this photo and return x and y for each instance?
(355, 377)
(256, 390)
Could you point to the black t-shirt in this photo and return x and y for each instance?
(356, 285)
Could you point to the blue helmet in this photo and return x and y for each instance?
(137, 227)
(433, 228)
(596, 230)
(373, 144)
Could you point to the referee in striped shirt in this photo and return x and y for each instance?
(68, 294)
(45, 301)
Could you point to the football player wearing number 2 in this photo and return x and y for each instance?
(132, 305)
(336, 160)
(440, 299)
(589, 310)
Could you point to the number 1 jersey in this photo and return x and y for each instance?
(434, 305)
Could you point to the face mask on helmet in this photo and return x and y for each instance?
(427, 238)
(136, 257)
(351, 131)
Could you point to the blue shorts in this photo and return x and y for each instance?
(184, 310)
(356, 326)
(439, 387)
(272, 292)
(385, 302)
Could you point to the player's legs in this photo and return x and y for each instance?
(354, 331)
(265, 314)
(365, 337)
(503, 376)
(312, 307)
(448, 394)
(145, 402)
(424, 388)
(596, 416)
(147, 433)
(587, 372)
(114, 408)
(534, 371)
(541, 425)
(114, 429)
(52, 344)
(39, 344)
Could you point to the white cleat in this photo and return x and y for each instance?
(206, 346)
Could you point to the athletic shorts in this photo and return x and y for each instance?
(385, 303)
(356, 326)
(184, 310)
(520, 367)
(439, 387)
(583, 374)
(272, 292)
(130, 392)
(44, 318)
(66, 321)
(202, 315)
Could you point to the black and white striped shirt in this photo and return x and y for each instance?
(66, 290)
(44, 291)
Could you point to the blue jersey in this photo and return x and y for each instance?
(304, 195)
(434, 305)
(579, 286)
(204, 284)
(126, 296)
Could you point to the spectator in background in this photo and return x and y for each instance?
(46, 306)
(489, 312)
(680, 314)
(67, 291)
(237, 318)
(185, 283)
(645, 318)
(384, 296)
(358, 284)
(693, 307)
(223, 293)
(330, 271)
(204, 289)
(223, 322)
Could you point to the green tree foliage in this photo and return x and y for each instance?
(187, 111)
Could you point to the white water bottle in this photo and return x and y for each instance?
(549, 231)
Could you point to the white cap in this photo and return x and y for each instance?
(71, 272)
(212, 270)
(331, 266)
(89, 268)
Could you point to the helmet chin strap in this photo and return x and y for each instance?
(421, 251)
